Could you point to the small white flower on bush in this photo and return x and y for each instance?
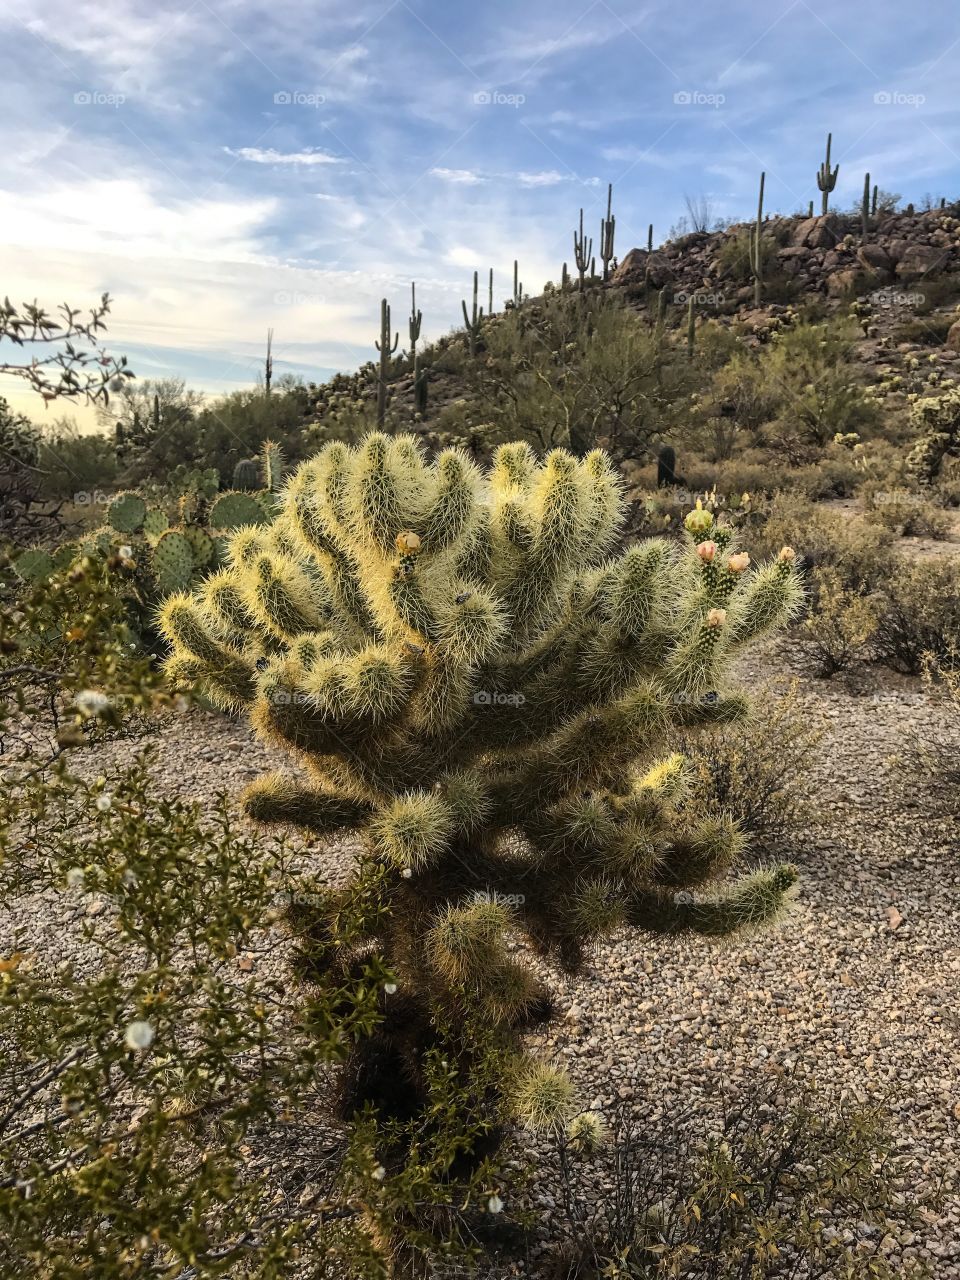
(126, 551)
(75, 878)
(103, 802)
(89, 702)
(407, 872)
(390, 988)
(138, 1035)
(495, 1204)
(379, 1173)
(129, 878)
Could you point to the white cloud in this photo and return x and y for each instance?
(463, 177)
(267, 155)
(84, 216)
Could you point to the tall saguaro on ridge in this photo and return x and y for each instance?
(607, 232)
(386, 350)
(827, 180)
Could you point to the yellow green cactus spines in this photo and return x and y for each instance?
(482, 686)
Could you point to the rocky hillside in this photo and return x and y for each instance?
(907, 266)
(821, 255)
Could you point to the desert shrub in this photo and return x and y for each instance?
(905, 512)
(935, 421)
(758, 771)
(933, 751)
(840, 625)
(927, 330)
(74, 464)
(163, 424)
(862, 553)
(140, 1072)
(918, 614)
(734, 257)
(789, 1183)
(489, 700)
(795, 393)
(579, 373)
(24, 509)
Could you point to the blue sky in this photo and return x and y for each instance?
(223, 166)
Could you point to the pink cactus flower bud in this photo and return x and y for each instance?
(716, 617)
(787, 553)
(706, 551)
(737, 563)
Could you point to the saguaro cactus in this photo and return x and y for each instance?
(386, 349)
(873, 203)
(865, 209)
(691, 328)
(472, 321)
(490, 294)
(477, 685)
(582, 251)
(419, 377)
(517, 285)
(607, 231)
(268, 364)
(827, 179)
(756, 248)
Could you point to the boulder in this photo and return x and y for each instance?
(920, 260)
(633, 264)
(874, 257)
(953, 337)
(817, 233)
(842, 282)
(660, 270)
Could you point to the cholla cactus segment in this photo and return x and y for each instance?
(484, 688)
(587, 1132)
(543, 1098)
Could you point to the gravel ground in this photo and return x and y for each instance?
(857, 986)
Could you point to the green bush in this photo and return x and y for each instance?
(788, 1183)
(840, 625)
(860, 552)
(918, 614)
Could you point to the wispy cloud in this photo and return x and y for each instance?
(267, 155)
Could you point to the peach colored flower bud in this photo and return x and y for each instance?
(706, 551)
(408, 543)
(737, 563)
(787, 553)
(716, 617)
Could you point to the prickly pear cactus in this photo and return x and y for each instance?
(155, 522)
(172, 562)
(202, 546)
(231, 510)
(34, 564)
(485, 690)
(126, 513)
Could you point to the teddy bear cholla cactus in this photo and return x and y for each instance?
(472, 679)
